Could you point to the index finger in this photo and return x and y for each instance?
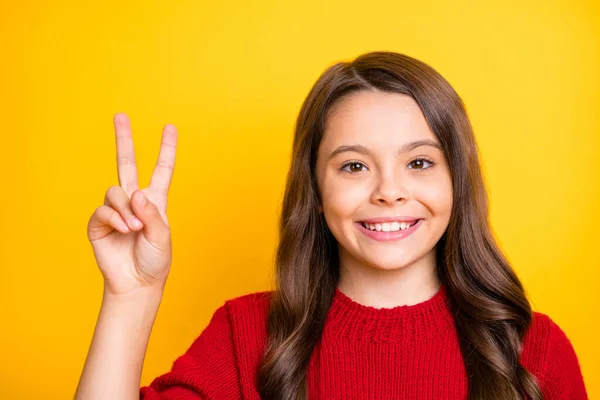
(126, 165)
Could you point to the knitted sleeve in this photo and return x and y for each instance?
(207, 370)
(562, 378)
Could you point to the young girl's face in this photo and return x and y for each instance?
(380, 168)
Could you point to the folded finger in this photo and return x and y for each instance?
(117, 199)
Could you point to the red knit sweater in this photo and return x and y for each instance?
(406, 352)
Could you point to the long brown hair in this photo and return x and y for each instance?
(492, 312)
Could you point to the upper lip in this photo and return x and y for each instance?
(390, 219)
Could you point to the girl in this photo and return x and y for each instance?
(389, 282)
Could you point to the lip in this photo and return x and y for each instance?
(381, 220)
(390, 236)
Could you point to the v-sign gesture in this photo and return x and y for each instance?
(130, 233)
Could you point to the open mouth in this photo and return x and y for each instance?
(389, 226)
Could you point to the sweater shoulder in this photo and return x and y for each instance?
(222, 361)
(248, 315)
(541, 328)
(539, 338)
(251, 305)
(549, 354)
(544, 332)
(251, 298)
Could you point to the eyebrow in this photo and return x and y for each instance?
(357, 148)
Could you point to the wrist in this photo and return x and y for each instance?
(144, 295)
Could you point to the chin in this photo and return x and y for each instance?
(390, 262)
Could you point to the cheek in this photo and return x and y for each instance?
(342, 199)
(436, 195)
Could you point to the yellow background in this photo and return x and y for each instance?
(232, 78)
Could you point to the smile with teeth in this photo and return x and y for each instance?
(389, 226)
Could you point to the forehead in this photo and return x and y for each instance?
(380, 120)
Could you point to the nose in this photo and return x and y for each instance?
(390, 189)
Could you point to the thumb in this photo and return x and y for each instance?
(154, 227)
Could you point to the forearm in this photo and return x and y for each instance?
(114, 363)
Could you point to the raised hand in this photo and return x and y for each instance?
(130, 233)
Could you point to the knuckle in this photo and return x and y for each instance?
(100, 210)
(117, 198)
(125, 160)
(165, 164)
(95, 214)
(111, 193)
(101, 213)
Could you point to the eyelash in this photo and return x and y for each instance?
(425, 159)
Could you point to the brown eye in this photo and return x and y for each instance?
(353, 167)
(356, 167)
(420, 163)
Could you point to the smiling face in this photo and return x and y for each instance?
(379, 161)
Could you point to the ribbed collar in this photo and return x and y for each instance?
(424, 320)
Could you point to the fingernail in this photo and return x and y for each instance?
(136, 223)
(142, 200)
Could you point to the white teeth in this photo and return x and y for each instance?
(388, 227)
